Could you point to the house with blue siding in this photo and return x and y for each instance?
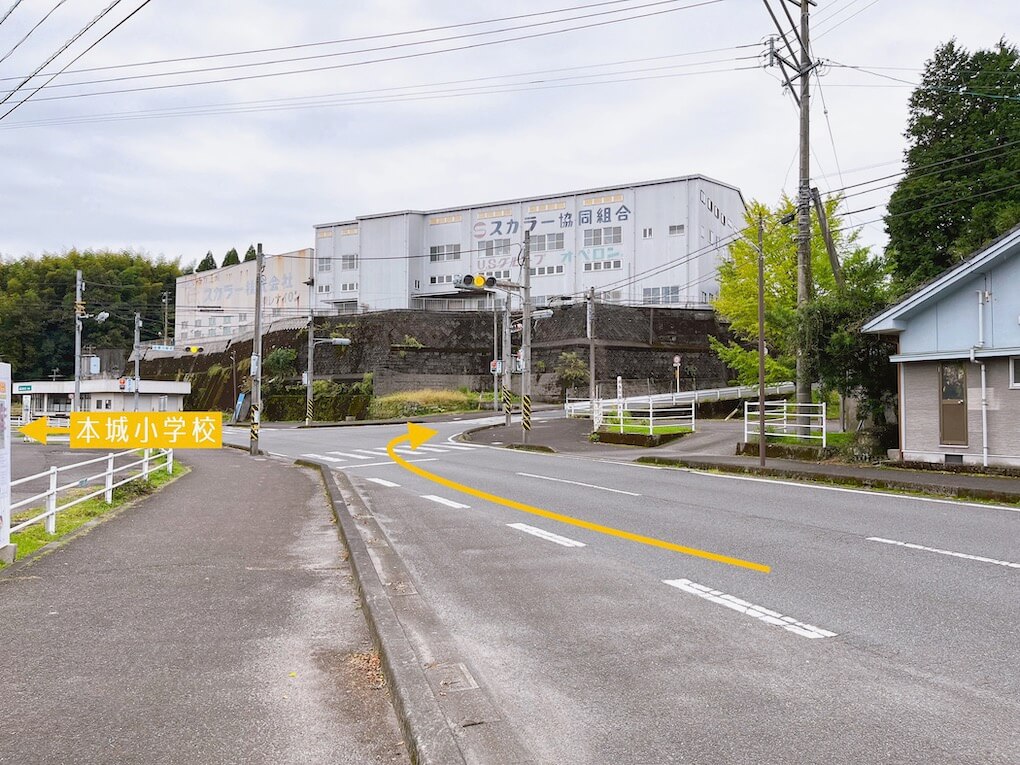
(959, 360)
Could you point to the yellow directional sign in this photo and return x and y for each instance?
(135, 430)
(419, 434)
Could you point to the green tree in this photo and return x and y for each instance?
(250, 255)
(231, 258)
(945, 207)
(571, 372)
(208, 263)
(281, 362)
(738, 289)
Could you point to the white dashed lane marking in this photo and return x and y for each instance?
(966, 556)
(445, 501)
(578, 483)
(749, 609)
(384, 482)
(546, 535)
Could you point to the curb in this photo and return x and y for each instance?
(426, 733)
(807, 475)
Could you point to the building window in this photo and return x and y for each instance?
(445, 279)
(324, 233)
(348, 286)
(546, 270)
(492, 248)
(603, 265)
(1014, 372)
(603, 200)
(613, 296)
(242, 317)
(486, 214)
(546, 242)
(676, 230)
(212, 321)
(712, 238)
(325, 264)
(348, 262)
(593, 237)
(228, 319)
(184, 325)
(646, 233)
(440, 252)
(323, 289)
(505, 274)
(438, 221)
(547, 206)
(198, 322)
(660, 295)
(349, 231)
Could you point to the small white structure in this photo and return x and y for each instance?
(53, 398)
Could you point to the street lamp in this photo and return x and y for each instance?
(309, 395)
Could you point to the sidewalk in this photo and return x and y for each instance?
(714, 447)
(214, 622)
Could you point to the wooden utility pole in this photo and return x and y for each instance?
(762, 441)
(804, 282)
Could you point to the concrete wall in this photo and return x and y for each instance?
(920, 402)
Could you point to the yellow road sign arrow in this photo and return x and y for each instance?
(39, 429)
(419, 434)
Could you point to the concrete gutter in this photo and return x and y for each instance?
(807, 474)
(426, 733)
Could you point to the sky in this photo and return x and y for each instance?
(656, 90)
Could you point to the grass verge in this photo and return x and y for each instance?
(34, 537)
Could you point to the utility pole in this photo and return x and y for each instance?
(804, 282)
(256, 358)
(762, 446)
(507, 350)
(495, 356)
(166, 318)
(590, 326)
(309, 394)
(79, 312)
(526, 343)
(138, 351)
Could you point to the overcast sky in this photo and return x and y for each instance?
(76, 176)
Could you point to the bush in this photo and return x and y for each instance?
(418, 402)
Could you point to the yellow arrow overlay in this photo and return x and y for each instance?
(419, 434)
(38, 430)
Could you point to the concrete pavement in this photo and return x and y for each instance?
(215, 622)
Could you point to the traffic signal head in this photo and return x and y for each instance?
(194, 348)
(481, 281)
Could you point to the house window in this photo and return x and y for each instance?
(492, 248)
(593, 237)
(440, 252)
(325, 264)
(953, 428)
(347, 262)
(323, 289)
(676, 230)
(646, 233)
(1014, 372)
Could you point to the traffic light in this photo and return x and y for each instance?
(194, 348)
(479, 281)
(79, 308)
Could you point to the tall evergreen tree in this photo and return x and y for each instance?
(962, 159)
(208, 263)
(250, 255)
(231, 258)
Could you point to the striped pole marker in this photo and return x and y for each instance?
(526, 412)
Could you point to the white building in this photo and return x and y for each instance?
(48, 398)
(653, 243)
(650, 243)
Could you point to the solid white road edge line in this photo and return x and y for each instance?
(445, 501)
(578, 483)
(913, 546)
(384, 482)
(546, 535)
(749, 609)
(887, 493)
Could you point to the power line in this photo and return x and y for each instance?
(402, 57)
(844, 21)
(30, 31)
(78, 57)
(10, 11)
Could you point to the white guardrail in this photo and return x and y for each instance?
(805, 422)
(582, 407)
(645, 418)
(152, 460)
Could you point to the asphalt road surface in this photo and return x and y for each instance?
(886, 630)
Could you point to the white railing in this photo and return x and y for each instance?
(644, 418)
(151, 461)
(582, 407)
(804, 422)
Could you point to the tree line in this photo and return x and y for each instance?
(208, 263)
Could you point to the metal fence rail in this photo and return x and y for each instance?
(151, 461)
(582, 407)
(645, 418)
(804, 422)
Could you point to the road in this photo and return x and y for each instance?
(597, 649)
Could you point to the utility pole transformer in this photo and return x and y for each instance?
(256, 358)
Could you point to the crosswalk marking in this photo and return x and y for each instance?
(322, 457)
(430, 449)
(351, 456)
(458, 447)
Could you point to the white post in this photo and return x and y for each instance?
(823, 425)
(145, 464)
(169, 461)
(51, 503)
(108, 496)
(747, 407)
(651, 416)
(694, 418)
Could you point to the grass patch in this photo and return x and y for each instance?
(418, 402)
(831, 439)
(32, 538)
(639, 426)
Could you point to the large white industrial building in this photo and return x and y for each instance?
(653, 243)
